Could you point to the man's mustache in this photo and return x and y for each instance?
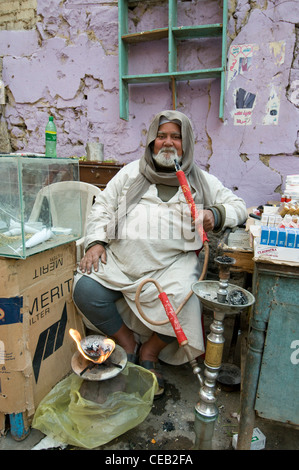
(167, 150)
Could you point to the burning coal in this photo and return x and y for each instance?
(237, 297)
(94, 348)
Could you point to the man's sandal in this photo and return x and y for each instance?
(155, 368)
(134, 357)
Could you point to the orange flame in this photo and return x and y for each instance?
(107, 341)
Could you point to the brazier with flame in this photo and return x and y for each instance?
(97, 358)
(101, 400)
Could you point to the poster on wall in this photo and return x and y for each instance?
(272, 108)
(244, 101)
(240, 60)
(277, 51)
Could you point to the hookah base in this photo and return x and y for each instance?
(204, 431)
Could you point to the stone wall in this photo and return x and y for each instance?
(18, 14)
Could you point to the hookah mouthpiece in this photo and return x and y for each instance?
(176, 164)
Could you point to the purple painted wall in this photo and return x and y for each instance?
(68, 67)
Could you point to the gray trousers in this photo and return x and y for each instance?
(97, 304)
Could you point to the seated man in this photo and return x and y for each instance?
(140, 227)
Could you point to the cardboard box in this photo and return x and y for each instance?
(276, 254)
(36, 313)
(258, 440)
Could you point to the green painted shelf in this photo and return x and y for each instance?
(173, 33)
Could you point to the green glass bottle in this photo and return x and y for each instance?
(51, 138)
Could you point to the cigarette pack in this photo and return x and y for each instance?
(291, 235)
(273, 236)
(281, 239)
(258, 440)
(264, 235)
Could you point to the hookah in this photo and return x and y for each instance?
(221, 297)
(224, 299)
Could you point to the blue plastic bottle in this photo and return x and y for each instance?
(51, 138)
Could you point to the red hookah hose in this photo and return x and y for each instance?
(171, 314)
(190, 201)
(181, 337)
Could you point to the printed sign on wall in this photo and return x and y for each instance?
(244, 103)
(272, 108)
(240, 60)
(245, 59)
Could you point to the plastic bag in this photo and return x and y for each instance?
(67, 417)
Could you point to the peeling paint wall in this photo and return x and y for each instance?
(61, 58)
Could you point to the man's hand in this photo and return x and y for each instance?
(205, 220)
(208, 220)
(92, 257)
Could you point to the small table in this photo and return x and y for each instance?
(271, 375)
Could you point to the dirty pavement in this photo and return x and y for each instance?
(170, 424)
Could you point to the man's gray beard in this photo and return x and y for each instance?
(166, 162)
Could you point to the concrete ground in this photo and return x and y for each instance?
(170, 424)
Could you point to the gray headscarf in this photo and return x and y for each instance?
(149, 175)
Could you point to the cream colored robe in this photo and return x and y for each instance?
(157, 242)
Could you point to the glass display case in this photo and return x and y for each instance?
(40, 205)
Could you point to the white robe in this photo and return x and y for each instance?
(158, 241)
